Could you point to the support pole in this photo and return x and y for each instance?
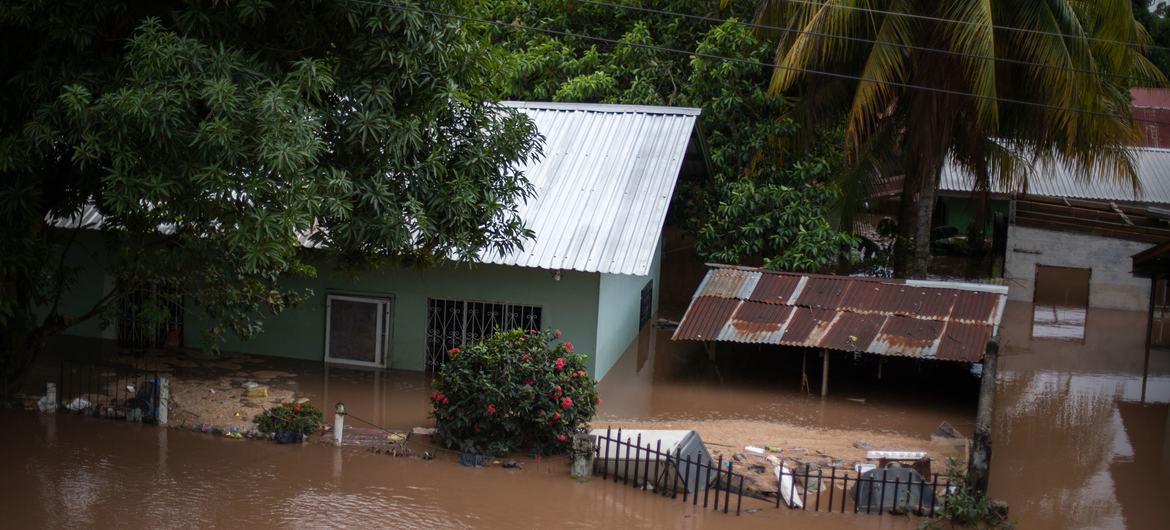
(164, 401)
(338, 423)
(979, 463)
(825, 374)
(1149, 333)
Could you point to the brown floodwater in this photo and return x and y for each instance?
(1077, 444)
(66, 471)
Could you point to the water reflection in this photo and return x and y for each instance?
(1075, 446)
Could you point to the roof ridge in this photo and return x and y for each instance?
(603, 107)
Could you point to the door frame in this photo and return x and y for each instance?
(385, 306)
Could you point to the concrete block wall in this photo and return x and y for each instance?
(1112, 284)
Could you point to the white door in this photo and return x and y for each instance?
(356, 329)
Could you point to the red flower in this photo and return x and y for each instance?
(560, 363)
(532, 331)
(453, 351)
(445, 400)
(529, 382)
(297, 407)
(556, 416)
(566, 402)
(491, 408)
(568, 346)
(599, 400)
(557, 334)
(562, 437)
(557, 389)
(525, 357)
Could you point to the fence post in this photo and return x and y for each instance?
(583, 456)
(338, 423)
(164, 401)
(979, 463)
(49, 403)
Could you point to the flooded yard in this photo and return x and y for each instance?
(1078, 444)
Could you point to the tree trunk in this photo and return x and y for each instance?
(925, 214)
(907, 211)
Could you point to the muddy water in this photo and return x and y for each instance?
(1077, 443)
(72, 472)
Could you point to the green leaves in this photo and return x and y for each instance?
(216, 138)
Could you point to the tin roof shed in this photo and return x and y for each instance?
(926, 319)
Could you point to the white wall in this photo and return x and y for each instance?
(1111, 282)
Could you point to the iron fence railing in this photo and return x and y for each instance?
(893, 489)
(109, 391)
(649, 467)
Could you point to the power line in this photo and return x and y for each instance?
(755, 25)
(969, 23)
(909, 86)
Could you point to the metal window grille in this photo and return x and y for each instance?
(451, 323)
(149, 315)
(647, 304)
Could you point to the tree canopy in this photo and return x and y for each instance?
(216, 139)
(990, 84)
(769, 198)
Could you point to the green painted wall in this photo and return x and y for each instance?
(960, 211)
(88, 262)
(618, 306)
(569, 304)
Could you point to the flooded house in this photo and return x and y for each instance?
(602, 190)
(1067, 240)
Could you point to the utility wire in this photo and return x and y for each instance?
(836, 75)
(969, 23)
(754, 25)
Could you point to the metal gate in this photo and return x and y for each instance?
(451, 323)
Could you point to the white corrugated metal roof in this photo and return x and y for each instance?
(1057, 180)
(602, 187)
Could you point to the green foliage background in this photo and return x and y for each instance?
(770, 194)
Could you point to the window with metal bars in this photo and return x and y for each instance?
(647, 304)
(452, 323)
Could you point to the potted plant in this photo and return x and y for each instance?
(290, 422)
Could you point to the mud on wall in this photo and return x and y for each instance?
(1112, 284)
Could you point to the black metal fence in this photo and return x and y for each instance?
(650, 467)
(894, 489)
(109, 391)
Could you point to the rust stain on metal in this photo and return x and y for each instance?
(937, 320)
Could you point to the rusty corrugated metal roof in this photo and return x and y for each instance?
(927, 319)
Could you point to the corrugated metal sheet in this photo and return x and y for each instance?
(1057, 180)
(602, 187)
(927, 319)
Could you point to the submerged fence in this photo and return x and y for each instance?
(672, 471)
(667, 473)
(109, 391)
(896, 490)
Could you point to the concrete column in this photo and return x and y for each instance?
(164, 401)
(979, 463)
(50, 402)
(583, 445)
(338, 423)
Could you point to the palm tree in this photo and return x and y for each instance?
(995, 85)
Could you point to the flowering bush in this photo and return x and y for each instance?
(295, 417)
(514, 390)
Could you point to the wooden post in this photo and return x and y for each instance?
(1149, 333)
(825, 374)
(979, 462)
